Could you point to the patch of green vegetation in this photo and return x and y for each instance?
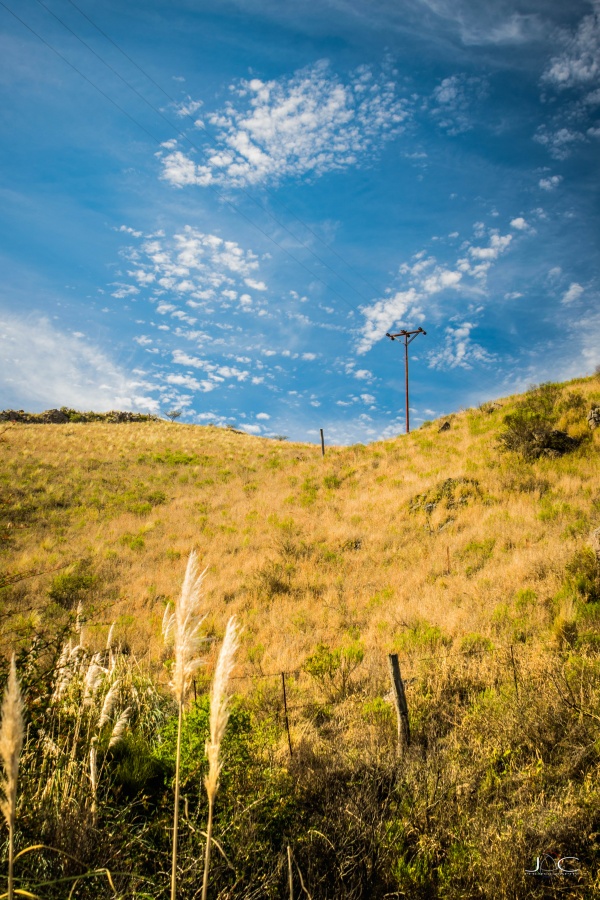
(530, 429)
(334, 670)
(67, 589)
(474, 644)
(450, 494)
(476, 554)
(172, 458)
(133, 541)
(420, 636)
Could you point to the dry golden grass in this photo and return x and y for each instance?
(300, 548)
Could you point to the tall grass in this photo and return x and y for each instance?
(219, 715)
(11, 744)
(183, 627)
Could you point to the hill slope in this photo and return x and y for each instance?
(472, 563)
(365, 544)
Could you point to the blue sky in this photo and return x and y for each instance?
(222, 206)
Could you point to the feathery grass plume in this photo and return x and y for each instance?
(109, 639)
(79, 622)
(94, 773)
(64, 670)
(219, 714)
(119, 729)
(11, 744)
(94, 676)
(109, 646)
(110, 701)
(182, 626)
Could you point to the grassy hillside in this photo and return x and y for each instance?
(366, 544)
(468, 560)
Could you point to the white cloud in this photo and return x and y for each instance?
(307, 124)
(573, 293)
(127, 230)
(497, 245)
(452, 100)
(519, 223)
(255, 285)
(426, 279)
(264, 416)
(579, 63)
(441, 279)
(383, 313)
(559, 143)
(124, 290)
(459, 351)
(188, 108)
(42, 367)
(549, 184)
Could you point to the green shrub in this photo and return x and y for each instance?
(68, 588)
(583, 576)
(333, 670)
(422, 636)
(530, 429)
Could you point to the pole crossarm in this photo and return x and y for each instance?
(406, 334)
(407, 338)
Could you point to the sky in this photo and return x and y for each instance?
(222, 206)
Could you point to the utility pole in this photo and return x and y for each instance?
(408, 337)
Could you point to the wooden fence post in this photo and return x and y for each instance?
(400, 702)
(285, 712)
(322, 442)
(290, 872)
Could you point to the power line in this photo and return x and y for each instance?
(183, 135)
(213, 142)
(221, 197)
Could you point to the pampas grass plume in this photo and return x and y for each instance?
(110, 701)
(11, 744)
(119, 729)
(219, 704)
(219, 714)
(184, 626)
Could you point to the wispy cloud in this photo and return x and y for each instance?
(459, 350)
(192, 269)
(41, 367)
(424, 278)
(572, 294)
(574, 74)
(550, 183)
(579, 62)
(305, 125)
(453, 101)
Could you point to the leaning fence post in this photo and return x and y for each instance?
(399, 702)
(322, 442)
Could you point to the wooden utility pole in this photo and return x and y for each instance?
(399, 702)
(408, 337)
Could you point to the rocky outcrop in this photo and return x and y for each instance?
(593, 417)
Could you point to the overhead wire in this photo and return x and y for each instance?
(221, 196)
(214, 143)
